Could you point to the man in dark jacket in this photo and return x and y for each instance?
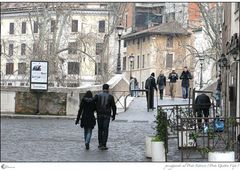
(105, 103)
(185, 76)
(202, 106)
(161, 82)
(173, 77)
(150, 85)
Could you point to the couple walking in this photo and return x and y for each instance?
(102, 103)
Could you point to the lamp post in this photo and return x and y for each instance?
(201, 59)
(119, 29)
(131, 59)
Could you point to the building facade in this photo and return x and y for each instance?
(156, 49)
(68, 35)
(231, 71)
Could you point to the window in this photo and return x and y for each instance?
(9, 68)
(21, 68)
(124, 63)
(35, 27)
(133, 41)
(138, 61)
(10, 50)
(72, 48)
(101, 26)
(125, 43)
(73, 67)
(99, 48)
(23, 49)
(126, 22)
(103, 5)
(169, 60)
(143, 61)
(97, 68)
(53, 25)
(11, 28)
(35, 49)
(144, 39)
(23, 27)
(50, 48)
(138, 43)
(170, 41)
(74, 25)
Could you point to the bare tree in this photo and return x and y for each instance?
(116, 12)
(51, 41)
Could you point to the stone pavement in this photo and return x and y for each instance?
(59, 139)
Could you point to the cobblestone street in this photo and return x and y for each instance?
(35, 139)
(61, 140)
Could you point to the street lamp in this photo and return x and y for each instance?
(120, 30)
(131, 59)
(201, 59)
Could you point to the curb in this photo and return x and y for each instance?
(18, 116)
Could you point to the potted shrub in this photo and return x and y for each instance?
(158, 145)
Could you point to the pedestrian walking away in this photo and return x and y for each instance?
(202, 106)
(185, 77)
(173, 77)
(161, 82)
(88, 120)
(150, 85)
(105, 105)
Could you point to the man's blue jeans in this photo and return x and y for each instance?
(185, 92)
(87, 135)
(103, 125)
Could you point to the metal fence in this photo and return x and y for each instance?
(198, 136)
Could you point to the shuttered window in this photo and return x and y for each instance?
(11, 28)
(24, 28)
(72, 48)
(101, 26)
(170, 41)
(99, 48)
(9, 68)
(169, 60)
(35, 27)
(53, 25)
(21, 68)
(10, 50)
(74, 25)
(73, 67)
(23, 49)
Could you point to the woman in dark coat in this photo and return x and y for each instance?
(88, 121)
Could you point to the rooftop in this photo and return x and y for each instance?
(162, 29)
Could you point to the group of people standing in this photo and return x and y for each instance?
(151, 85)
(104, 104)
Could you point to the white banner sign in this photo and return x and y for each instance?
(39, 75)
(39, 72)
